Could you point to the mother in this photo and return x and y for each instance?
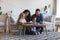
(28, 19)
(27, 15)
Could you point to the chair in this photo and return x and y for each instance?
(57, 24)
(3, 22)
(13, 25)
(50, 22)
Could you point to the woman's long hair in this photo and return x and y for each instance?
(27, 11)
(29, 15)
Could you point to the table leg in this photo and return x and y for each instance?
(57, 28)
(46, 30)
(24, 30)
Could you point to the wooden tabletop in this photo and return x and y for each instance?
(32, 25)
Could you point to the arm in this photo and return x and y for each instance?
(39, 18)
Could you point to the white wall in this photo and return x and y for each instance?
(17, 6)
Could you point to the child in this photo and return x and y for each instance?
(21, 20)
(34, 29)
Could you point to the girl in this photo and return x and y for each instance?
(21, 20)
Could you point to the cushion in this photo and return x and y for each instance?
(48, 19)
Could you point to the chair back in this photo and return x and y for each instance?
(48, 19)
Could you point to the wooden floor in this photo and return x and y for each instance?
(14, 36)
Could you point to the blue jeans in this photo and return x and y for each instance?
(33, 29)
(20, 32)
(27, 31)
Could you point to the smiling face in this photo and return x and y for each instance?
(22, 15)
(27, 13)
(37, 11)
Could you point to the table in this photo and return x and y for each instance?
(32, 25)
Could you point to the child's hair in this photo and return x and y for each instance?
(33, 18)
(21, 15)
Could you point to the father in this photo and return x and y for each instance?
(39, 19)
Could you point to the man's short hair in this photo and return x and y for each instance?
(37, 9)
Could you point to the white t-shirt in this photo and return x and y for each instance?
(22, 20)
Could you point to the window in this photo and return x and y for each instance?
(58, 9)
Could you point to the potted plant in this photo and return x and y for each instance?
(45, 8)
